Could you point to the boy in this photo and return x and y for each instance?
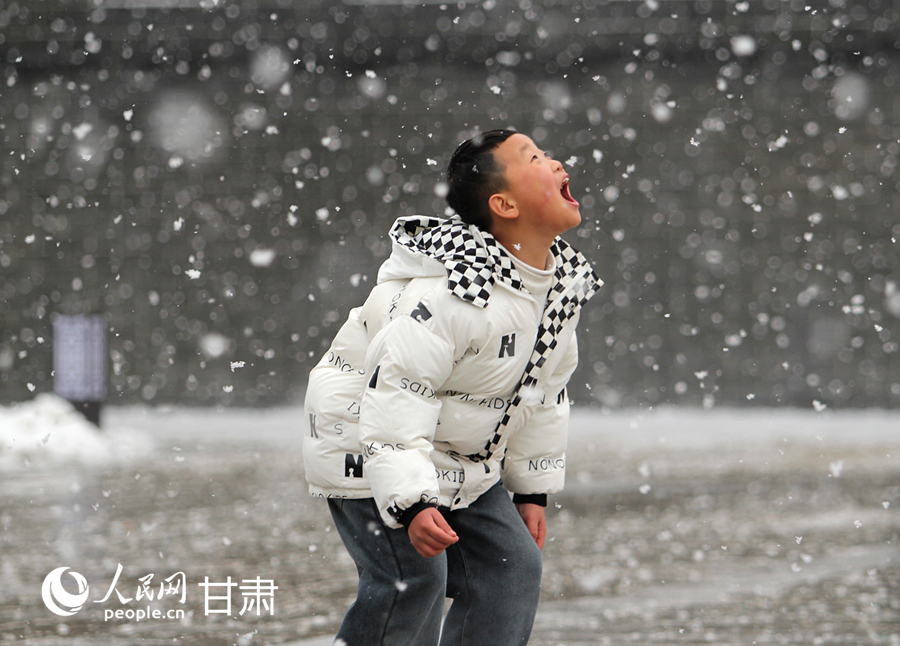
(450, 376)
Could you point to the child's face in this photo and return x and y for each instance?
(538, 185)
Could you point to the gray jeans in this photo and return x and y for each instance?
(492, 574)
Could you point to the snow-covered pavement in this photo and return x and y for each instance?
(751, 526)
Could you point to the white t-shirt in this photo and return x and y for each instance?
(537, 281)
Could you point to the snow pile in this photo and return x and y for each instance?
(49, 431)
(697, 430)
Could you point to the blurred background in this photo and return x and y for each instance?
(216, 178)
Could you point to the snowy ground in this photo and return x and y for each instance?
(677, 527)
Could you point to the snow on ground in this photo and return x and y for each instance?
(652, 501)
(692, 429)
(48, 431)
(667, 428)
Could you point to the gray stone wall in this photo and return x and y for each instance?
(218, 178)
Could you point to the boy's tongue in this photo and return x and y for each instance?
(566, 195)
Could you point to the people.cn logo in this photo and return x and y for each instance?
(59, 600)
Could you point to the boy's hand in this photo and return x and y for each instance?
(430, 534)
(535, 520)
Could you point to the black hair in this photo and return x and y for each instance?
(473, 175)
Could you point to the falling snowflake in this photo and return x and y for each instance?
(262, 257)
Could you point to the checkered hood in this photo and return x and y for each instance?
(475, 261)
(473, 265)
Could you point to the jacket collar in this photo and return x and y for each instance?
(475, 262)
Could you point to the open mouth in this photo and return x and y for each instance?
(564, 191)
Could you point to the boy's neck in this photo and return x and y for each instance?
(532, 252)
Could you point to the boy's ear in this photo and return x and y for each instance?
(502, 207)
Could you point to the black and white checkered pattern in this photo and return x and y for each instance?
(574, 286)
(472, 269)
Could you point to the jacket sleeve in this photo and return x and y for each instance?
(535, 461)
(407, 363)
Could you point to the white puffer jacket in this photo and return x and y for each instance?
(410, 403)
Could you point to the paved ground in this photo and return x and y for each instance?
(677, 528)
